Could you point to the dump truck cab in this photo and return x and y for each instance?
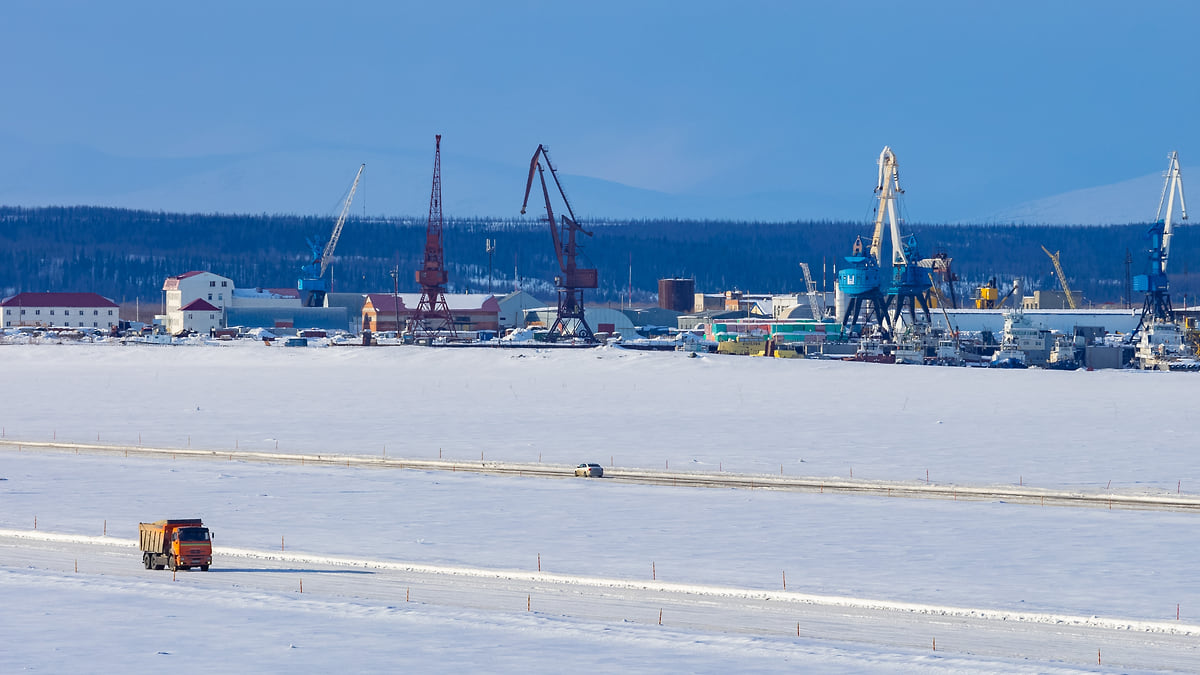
(176, 544)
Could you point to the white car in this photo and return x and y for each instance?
(590, 471)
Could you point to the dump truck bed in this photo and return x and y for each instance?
(155, 537)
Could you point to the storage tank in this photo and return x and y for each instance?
(677, 294)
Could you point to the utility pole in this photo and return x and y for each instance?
(396, 295)
(1128, 280)
(491, 248)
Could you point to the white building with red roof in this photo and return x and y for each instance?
(179, 291)
(198, 316)
(184, 290)
(73, 310)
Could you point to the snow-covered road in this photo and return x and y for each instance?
(249, 577)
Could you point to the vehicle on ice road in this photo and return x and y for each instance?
(178, 544)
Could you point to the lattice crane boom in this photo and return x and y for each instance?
(1062, 278)
(312, 283)
(327, 254)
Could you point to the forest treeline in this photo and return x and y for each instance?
(126, 254)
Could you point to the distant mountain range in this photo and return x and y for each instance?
(396, 183)
(1130, 201)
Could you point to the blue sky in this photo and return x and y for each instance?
(774, 110)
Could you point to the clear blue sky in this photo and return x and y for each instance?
(986, 104)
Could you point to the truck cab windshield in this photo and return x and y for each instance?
(193, 534)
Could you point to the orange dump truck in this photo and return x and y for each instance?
(175, 544)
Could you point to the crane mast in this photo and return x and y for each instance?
(432, 315)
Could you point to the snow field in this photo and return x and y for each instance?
(649, 410)
(1129, 570)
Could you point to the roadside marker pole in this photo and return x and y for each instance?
(785, 580)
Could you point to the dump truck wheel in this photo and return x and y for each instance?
(146, 561)
(204, 568)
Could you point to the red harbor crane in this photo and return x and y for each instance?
(570, 322)
(432, 316)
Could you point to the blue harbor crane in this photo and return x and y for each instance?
(910, 280)
(312, 283)
(859, 282)
(1157, 305)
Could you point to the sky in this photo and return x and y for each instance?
(773, 110)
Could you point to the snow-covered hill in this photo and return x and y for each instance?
(1130, 201)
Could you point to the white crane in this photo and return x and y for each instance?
(312, 283)
(1172, 184)
(327, 253)
(888, 187)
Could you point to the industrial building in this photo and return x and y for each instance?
(515, 306)
(471, 311)
(602, 319)
(225, 305)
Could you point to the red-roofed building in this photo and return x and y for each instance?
(182, 290)
(201, 316)
(471, 311)
(75, 310)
